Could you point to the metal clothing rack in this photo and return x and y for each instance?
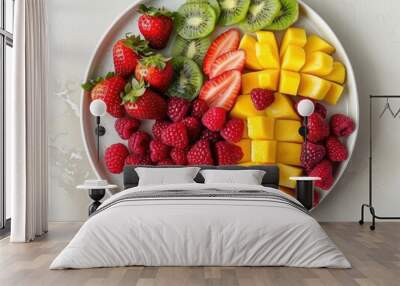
(370, 204)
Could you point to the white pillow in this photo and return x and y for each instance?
(163, 176)
(247, 177)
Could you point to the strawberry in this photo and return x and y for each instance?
(222, 90)
(200, 153)
(193, 127)
(262, 98)
(199, 107)
(337, 151)
(233, 60)
(156, 25)
(156, 70)
(177, 108)
(166, 162)
(108, 89)
(212, 136)
(125, 127)
(175, 135)
(342, 125)
(158, 151)
(134, 159)
(214, 118)
(226, 42)
(138, 143)
(143, 103)
(317, 128)
(179, 156)
(233, 130)
(311, 155)
(114, 157)
(158, 127)
(324, 171)
(227, 153)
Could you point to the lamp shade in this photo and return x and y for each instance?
(98, 107)
(305, 107)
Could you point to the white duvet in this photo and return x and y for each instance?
(200, 231)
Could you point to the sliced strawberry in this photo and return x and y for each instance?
(222, 90)
(234, 60)
(226, 42)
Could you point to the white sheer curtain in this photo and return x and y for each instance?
(26, 129)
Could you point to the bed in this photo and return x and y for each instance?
(201, 224)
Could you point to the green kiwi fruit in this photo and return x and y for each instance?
(195, 20)
(213, 3)
(192, 49)
(233, 11)
(188, 79)
(260, 14)
(287, 16)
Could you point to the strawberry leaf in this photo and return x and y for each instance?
(137, 44)
(152, 11)
(156, 61)
(133, 91)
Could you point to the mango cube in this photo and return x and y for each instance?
(263, 151)
(247, 164)
(248, 44)
(245, 145)
(282, 107)
(293, 36)
(338, 73)
(318, 63)
(334, 93)
(294, 58)
(289, 153)
(288, 130)
(313, 87)
(267, 56)
(289, 82)
(317, 44)
(244, 108)
(268, 79)
(245, 130)
(261, 127)
(285, 172)
(267, 37)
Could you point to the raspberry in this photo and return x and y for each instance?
(125, 127)
(158, 127)
(114, 157)
(320, 109)
(227, 153)
(134, 159)
(175, 135)
(214, 118)
(200, 154)
(193, 127)
(158, 151)
(324, 171)
(311, 156)
(318, 129)
(262, 98)
(337, 151)
(199, 107)
(179, 156)
(233, 130)
(213, 137)
(138, 143)
(166, 162)
(177, 108)
(342, 125)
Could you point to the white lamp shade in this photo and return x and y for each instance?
(305, 107)
(98, 107)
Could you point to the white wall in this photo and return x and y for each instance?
(368, 29)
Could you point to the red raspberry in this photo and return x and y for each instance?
(337, 151)
(193, 127)
(175, 135)
(158, 127)
(342, 125)
(138, 143)
(316, 198)
(214, 118)
(158, 151)
(315, 154)
(324, 171)
(262, 98)
(134, 159)
(200, 154)
(318, 129)
(199, 107)
(177, 108)
(227, 153)
(233, 130)
(320, 109)
(115, 157)
(213, 137)
(125, 127)
(179, 156)
(166, 162)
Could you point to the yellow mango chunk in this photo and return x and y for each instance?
(338, 73)
(267, 56)
(282, 107)
(285, 172)
(289, 153)
(313, 87)
(245, 145)
(245, 130)
(263, 151)
(293, 36)
(248, 44)
(294, 58)
(288, 130)
(318, 63)
(317, 44)
(289, 82)
(267, 37)
(261, 127)
(268, 79)
(248, 164)
(334, 93)
(244, 107)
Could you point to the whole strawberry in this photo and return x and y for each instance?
(108, 89)
(175, 135)
(342, 125)
(200, 153)
(143, 103)
(158, 127)
(262, 98)
(158, 151)
(138, 143)
(214, 118)
(177, 108)
(212, 136)
(125, 127)
(233, 130)
(317, 128)
(115, 156)
(156, 70)
(134, 159)
(323, 170)
(199, 107)
(156, 25)
(337, 151)
(193, 127)
(311, 155)
(179, 156)
(227, 153)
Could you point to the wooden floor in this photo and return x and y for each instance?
(375, 257)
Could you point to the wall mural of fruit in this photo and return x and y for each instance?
(217, 82)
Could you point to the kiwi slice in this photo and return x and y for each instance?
(287, 16)
(213, 3)
(192, 49)
(233, 11)
(188, 79)
(195, 20)
(261, 13)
